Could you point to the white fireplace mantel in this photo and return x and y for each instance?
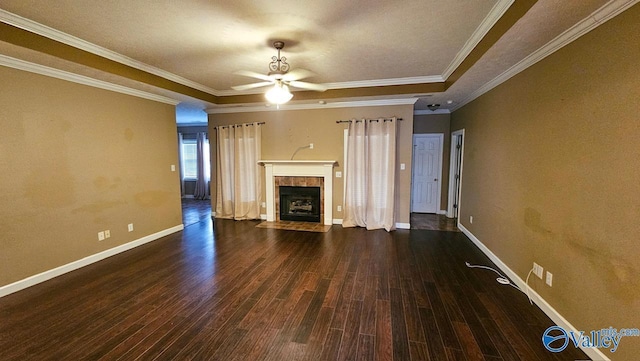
(299, 168)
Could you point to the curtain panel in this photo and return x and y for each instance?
(180, 142)
(238, 175)
(203, 173)
(370, 175)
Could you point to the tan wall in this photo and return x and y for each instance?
(551, 175)
(286, 130)
(438, 123)
(77, 160)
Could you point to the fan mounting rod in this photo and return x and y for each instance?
(278, 66)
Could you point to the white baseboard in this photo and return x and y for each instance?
(443, 212)
(263, 217)
(337, 221)
(47, 275)
(556, 317)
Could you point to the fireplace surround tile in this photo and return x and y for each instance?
(310, 171)
(298, 182)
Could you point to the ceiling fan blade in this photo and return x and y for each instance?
(297, 74)
(310, 86)
(251, 86)
(253, 74)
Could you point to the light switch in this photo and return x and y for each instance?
(402, 166)
(338, 174)
(173, 167)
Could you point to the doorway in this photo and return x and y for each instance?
(194, 158)
(455, 173)
(195, 210)
(426, 182)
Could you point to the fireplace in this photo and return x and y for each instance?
(315, 173)
(299, 203)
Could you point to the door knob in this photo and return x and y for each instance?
(435, 179)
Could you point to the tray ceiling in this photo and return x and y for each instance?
(434, 50)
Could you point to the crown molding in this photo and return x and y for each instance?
(80, 79)
(487, 23)
(430, 112)
(57, 35)
(62, 37)
(353, 84)
(608, 11)
(386, 82)
(193, 124)
(348, 104)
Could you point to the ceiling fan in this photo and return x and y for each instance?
(280, 77)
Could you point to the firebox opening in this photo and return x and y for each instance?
(300, 204)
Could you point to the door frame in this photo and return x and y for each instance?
(413, 165)
(452, 174)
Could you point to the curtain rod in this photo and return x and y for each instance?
(237, 125)
(349, 121)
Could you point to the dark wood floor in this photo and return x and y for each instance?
(247, 293)
(195, 210)
(433, 222)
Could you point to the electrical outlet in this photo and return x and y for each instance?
(107, 233)
(538, 270)
(310, 145)
(549, 278)
(130, 227)
(339, 208)
(173, 167)
(100, 236)
(471, 219)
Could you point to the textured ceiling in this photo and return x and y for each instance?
(346, 44)
(543, 23)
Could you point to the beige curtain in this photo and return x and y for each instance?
(370, 175)
(238, 176)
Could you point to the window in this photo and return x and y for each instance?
(189, 159)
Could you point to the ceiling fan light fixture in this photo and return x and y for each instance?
(279, 94)
(280, 76)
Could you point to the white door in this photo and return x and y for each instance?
(427, 163)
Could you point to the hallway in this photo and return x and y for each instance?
(433, 222)
(195, 210)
